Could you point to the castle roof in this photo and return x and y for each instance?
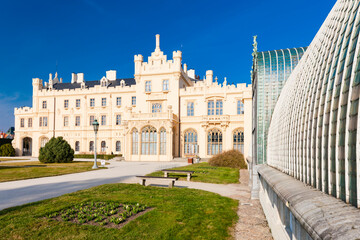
(90, 84)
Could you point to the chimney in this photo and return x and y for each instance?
(80, 77)
(73, 78)
(157, 42)
(191, 73)
(111, 75)
(209, 77)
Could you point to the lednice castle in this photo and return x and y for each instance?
(164, 112)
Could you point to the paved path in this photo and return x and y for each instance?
(16, 193)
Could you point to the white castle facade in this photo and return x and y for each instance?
(164, 112)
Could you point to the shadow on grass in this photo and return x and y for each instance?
(23, 166)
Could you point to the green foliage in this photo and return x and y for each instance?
(231, 158)
(7, 150)
(57, 150)
(99, 156)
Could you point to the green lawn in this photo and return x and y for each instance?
(205, 173)
(12, 159)
(178, 213)
(26, 170)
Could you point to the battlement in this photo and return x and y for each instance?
(23, 110)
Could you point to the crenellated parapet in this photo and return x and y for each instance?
(23, 110)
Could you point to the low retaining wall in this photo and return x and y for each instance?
(297, 211)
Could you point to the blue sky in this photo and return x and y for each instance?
(92, 36)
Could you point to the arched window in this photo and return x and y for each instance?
(148, 141)
(44, 141)
(77, 146)
(238, 140)
(191, 144)
(214, 142)
(103, 146)
(91, 146)
(118, 146)
(135, 141)
(162, 141)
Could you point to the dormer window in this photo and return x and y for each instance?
(122, 83)
(104, 82)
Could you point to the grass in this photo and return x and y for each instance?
(27, 170)
(12, 159)
(205, 173)
(178, 213)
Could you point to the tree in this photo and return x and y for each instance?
(57, 150)
(7, 150)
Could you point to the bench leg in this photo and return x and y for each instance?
(143, 182)
(188, 176)
(171, 184)
(165, 174)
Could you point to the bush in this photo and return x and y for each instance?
(99, 156)
(231, 158)
(7, 150)
(57, 150)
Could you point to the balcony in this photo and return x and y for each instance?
(154, 116)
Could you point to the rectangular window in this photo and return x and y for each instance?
(190, 109)
(210, 107)
(66, 121)
(240, 107)
(66, 103)
(92, 119)
(30, 122)
(219, 107)
(118, 119)
(133, 101)
(103, 120)
(156, 107)
(44, 104)
(77, 121)
(148, 86)
(78, 103)
(165, 85)
(118, 101)
(43, 122)
(22, 122)
(92, 102)
(103, 102)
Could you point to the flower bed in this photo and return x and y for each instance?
(107, 214)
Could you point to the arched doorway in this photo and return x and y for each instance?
(27, 146)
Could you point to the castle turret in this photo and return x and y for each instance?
(209, 77)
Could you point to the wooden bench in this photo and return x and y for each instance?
(167, 171)
(171, 179)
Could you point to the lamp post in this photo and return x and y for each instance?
(96, 128)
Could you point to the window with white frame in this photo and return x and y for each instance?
(240, 107)
(77, 146)
(103, 120)
(91, 120)
(165, 85)
(147, 86)
(148, 141)
(211, 108)
(77, 104)
(238, 140)
(77, 121)
(92, 102)
(118, 101)
(133, 100)
(43, 121)
(135, 141)
(43, 141)
(44, 104)
(66, 103)
(118, 146)
(162, 141)
(156, 107)
(22, 122)
(191, 142)
(214, 142)
(190, 109)
(118, 119)
(103, 146)
(66, 121)
(30, 122)
(219, 107)
(103, 102)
